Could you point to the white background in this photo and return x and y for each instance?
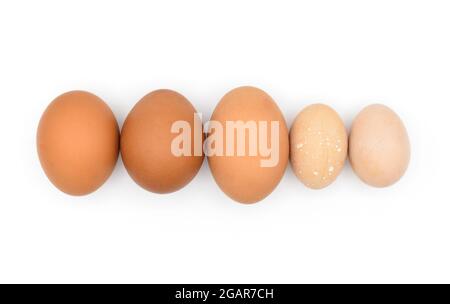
(344, 53)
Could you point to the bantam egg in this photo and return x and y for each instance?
(78, 142)
(161, 142)
(318, 146)
(379, 148)
(247, 145)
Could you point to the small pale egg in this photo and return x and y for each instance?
(379, 148)
(318, 146)
(78, 142)
(150, 134)
(248, 146)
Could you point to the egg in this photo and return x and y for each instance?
(247, 145)
(318, 146)
(161, 142)
(379, 148)
(78, 142)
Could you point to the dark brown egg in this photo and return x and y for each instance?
(161, 142)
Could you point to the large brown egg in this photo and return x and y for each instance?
(379, 148)
(161, 142)
(78, 142)
(318, 146)
(247, 144)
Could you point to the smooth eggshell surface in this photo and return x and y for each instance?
(78, 142)
(242, 177)
(379, 147)
(318, 146)
(146, 142)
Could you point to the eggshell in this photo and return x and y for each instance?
(318, 146)
(379, 148)
(78, 142)
(147, 138)
(243, 178)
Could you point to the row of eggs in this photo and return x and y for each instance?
(78, 143)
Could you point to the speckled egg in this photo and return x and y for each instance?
(318, 146)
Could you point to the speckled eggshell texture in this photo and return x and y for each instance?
(318, 146)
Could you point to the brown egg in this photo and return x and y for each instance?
(149, 140)
(379, 148)
(318, 146)
(248, 144)
(78, 142)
